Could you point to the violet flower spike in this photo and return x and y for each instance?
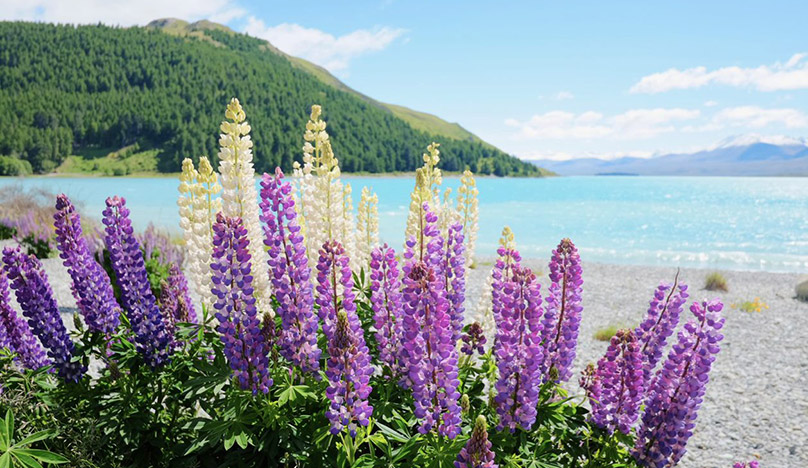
(35, 297)
(477, 451)
(385, 298)
(473, 340)
(245, 347)
(454, 271)
(334, 277)
(678, 389)
(16, 335)
(89, 282)
(148, 324)
(562, 316)
(619, 378)
(290, 275)
(175, 299)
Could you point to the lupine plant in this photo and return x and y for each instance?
(313, 346)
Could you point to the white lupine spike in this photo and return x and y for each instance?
(485, 309)
(468, 210)
(427, 185)
(367, 226)
(239, 196)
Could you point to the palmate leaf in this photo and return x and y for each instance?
(36, 437)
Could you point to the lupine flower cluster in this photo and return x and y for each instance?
(751, 464)
(385, 298)
(290, 273)
(16, 335)
(35, 297)
(429, 351)
(175, 299)
(468, 209)
(562, 315)
(89, 282)
(474, 340)
(157, 244)
(659, 324)
(427, 180)
(139, 303)
(454, 277)
(517, 345)
(620, 388)
(677, 390)
(231, 284)
(477, 451)
(367, 229)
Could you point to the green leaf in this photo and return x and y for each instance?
(9, 427)
(26, 460)
(36, 437)
(44, 456)
(5, 460)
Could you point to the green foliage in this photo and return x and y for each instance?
(605, 333)
(20, 453)
(67, 88)
(126, 161)
(14, 167)
(716, 282)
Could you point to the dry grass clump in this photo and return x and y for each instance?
(716, 282)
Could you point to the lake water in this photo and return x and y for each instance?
(723, 223)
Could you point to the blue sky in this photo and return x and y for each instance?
(537, 79)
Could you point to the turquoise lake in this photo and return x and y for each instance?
(724, 223)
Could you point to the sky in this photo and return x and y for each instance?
(537, 79)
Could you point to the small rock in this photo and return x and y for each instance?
(802, 291)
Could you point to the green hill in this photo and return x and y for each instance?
(73, 97)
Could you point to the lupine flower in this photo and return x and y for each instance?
(467, 207)
(334, 278)
(35, 297)
(562, 315)
(147, 322)
(454, 272)
(16, 335)
(158, 244)
(239, 198)
(678, 387)
(175, 300)
(321, 198)
(473, 340)
(367, 228)
(347, 236)
(29, 228)
(291, 276)
(477, 452)
(659, 324)
(751, 464)
(518, 348)
(89, 282)
(385, 298)
(485, 306)
(199, 202)
(619, 377)
(245, 348)
(429, 353)
(427, 180)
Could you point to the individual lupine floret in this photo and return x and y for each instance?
(16, 335)
(175, 300)
(199, 203)
(429, 352)
(677, 389)
(245, 348)
(385, 298)
(147, 322)
(562, 315)
(290, 273)
(239, 197)
(90, 284)
(348, 371)
(454, 277)
(477, 451)
(473, 340)
(468, 209)
(659, 324)
(35, 297)
(619, 377)
(427, 182)
(367, 232)
(334, 279)
(518, 348)
(751, 464)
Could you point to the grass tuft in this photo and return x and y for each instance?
(716, 282)
(606, 333)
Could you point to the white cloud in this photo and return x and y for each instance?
(563, 96)
(756, 117)
(118, 12)
(635, 124)
(781, 76)
(710, 103)
(564, 156)
(329, 51)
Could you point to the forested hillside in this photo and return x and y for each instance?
(95, 90)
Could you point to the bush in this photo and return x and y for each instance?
(10, 166)
(605, 333)
(716, 282)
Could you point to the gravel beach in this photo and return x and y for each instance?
(757, 399)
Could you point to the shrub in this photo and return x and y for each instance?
(605, 333)
(716, 282)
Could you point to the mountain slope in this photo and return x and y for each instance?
(91, 90)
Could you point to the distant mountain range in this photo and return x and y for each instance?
(748, 155)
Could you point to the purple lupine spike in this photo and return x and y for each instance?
(429, 352)
(678, 387)
(35, 297)
(518, 351)
(348, 371)
(16, 335)
(148, 323)
(477, 451)
(385, 298)
(751, 464)
(562, 315)
(619, 377)
(334, 277)
(290, 273)
(660, 322)
(507, 260)
(454, 271)
(89, 282)
(157, 243)
(474, 340)
(245, 348)
(182, 307)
